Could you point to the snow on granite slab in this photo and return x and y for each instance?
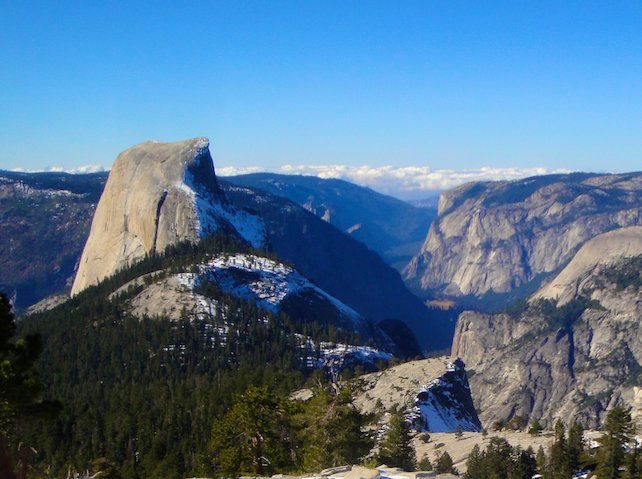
(266, 281)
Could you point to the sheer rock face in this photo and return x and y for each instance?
(499, 236)
(545, 367)
(157, 194)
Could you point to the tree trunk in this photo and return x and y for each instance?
(6, 462)
(258, 453)
(25, 454)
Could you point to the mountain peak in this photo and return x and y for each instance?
(157, 194)
(163, 163)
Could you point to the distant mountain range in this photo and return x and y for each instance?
(391, 227)
(45, 220)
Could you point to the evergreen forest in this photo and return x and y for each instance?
(139, 397)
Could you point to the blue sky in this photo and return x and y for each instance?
(443, 85)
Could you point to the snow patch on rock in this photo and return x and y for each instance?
(209, 212)
(441, 404)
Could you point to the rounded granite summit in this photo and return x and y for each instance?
(603, 250)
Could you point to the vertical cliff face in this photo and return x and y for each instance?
(575, 348)
(500, 236)
(157, 194)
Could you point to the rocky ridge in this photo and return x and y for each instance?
(434, 392)
(269, 284)
(502, 237)
(603, 250)
(573, 351)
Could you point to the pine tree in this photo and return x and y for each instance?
(475, 464)
(575, 445)
(542, 461)
(632, 464)
(498, 458)
(424, 464)
(560, 467)
(535, 429)
(618, 431)
(21, 391)
(255, 434)
(445, 465)
(332, 431)
(524, 464)
(395, 449)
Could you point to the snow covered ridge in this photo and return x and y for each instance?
(265, 281)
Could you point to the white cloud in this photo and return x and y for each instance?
(404, 182)
(59, 169)
(233, 170)
(88, 169)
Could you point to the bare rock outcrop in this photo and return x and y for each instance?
(498, 237)
(157, 194)
(434, 392)
(603, 250)
(575, 348)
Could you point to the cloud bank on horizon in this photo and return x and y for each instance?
(405, 182)
(79, 170)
